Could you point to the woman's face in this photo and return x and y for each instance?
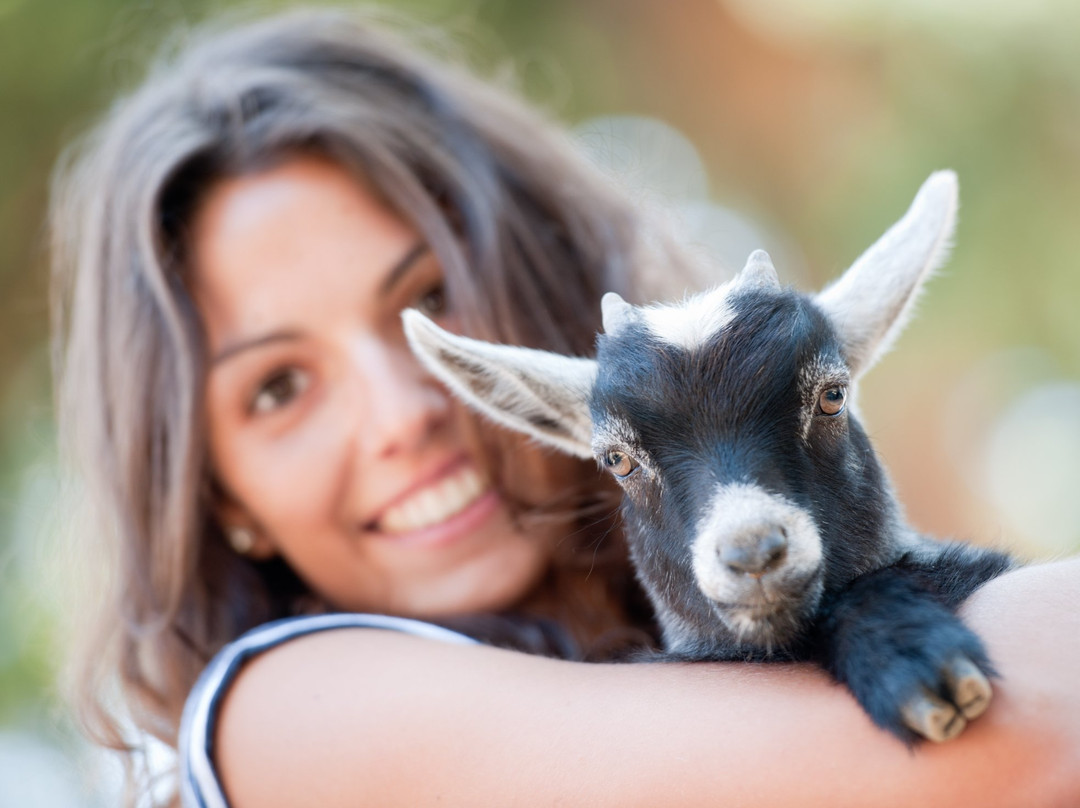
(329, 440)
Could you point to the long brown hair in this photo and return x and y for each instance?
(528, 237)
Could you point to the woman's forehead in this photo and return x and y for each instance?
(303, 233)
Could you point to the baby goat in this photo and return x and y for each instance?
(760, 521)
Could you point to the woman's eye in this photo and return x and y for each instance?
(832, 400)
(433, 301)
(279, 390)
(620, 464)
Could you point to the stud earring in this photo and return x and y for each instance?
(241, 539)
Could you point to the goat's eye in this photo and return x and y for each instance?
(620, 464)
(832, 400)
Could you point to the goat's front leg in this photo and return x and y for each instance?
(915, 668)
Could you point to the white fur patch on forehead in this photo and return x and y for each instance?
(692, 322)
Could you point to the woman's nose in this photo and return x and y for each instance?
(399, 406)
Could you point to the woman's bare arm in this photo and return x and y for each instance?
(369, 717)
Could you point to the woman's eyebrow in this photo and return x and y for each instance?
(230, 350)
(398, 270)
(395, 274)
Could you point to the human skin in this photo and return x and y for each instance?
(328, 440)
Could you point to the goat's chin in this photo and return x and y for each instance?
(766, 630)
(771, 622)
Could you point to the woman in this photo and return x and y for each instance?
(235, 246)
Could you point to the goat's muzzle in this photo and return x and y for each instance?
(757, 558)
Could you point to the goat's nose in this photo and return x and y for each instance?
(757, 554)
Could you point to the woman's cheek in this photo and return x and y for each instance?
(295, 477)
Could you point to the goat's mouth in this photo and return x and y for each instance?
(750, 610)
(781, 591)
(769, 617)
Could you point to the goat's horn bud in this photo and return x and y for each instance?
(759, 271)
(616, 312)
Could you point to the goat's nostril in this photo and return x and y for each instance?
(737, 559)
(773, 548)
(757, 555)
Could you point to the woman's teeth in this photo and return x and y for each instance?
(436, 503)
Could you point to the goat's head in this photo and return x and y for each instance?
(727, 419)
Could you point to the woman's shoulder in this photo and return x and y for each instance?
(200, 783)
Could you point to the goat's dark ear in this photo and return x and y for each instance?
(543, 394)
(871, 302)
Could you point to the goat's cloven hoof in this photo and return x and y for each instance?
(932, 717)
(969, 695)
(970, 689)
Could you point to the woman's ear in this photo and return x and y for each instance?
(241, 531)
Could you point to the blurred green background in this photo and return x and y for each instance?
(805, 127)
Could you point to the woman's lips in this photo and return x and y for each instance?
(435, 504)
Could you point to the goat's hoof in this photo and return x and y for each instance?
(969, 688)
(965, 695)
(932, 717)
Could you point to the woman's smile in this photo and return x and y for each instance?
(438, 511)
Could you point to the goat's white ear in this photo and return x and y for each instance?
(871, 302)
(543, 394)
